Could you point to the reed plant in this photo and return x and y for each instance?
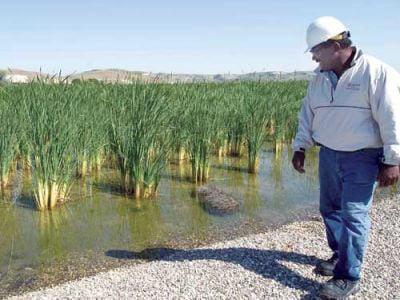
(235, 119)
(201, 121)
(92, 121)
(10, 129)
(223, 105)
(140, 135)
(256, 115)
(60, 131)
(284, 112)
(177, 95)
(50, 112)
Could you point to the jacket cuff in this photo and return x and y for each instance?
(391, 155)
(298, 149)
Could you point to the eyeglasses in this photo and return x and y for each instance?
(318, 47)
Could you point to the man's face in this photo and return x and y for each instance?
(324, 55)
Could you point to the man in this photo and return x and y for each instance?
(352, 111)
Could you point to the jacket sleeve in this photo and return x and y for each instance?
(385, 105)
(303, 137)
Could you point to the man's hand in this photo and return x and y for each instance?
(388, 175)
(298, 161)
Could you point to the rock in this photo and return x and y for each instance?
(216, 200)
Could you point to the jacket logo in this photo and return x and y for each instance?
(353, 86)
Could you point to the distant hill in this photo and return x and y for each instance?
(29, 74)
(297, 75)
(108, 75)
(125, 76)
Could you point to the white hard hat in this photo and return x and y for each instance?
(323, 29)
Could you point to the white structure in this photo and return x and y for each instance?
(15, 78)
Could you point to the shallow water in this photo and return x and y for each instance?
(39, 248)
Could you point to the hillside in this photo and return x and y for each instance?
(124, 76)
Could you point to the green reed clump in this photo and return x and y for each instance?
(9, 124)
(63, 130)
(140, 135)
(287, 99)
(223, 107)
(234, 119)
(92, 121)
(201, 120)
(256, 115)
(177, 95)
(50, 113)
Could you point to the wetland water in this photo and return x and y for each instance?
(37, 249)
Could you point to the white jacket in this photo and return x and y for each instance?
(362, 112)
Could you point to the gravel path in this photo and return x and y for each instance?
(277, 264)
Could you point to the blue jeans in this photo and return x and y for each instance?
(347, 184)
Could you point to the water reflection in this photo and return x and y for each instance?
(100, 217)
(51, 235)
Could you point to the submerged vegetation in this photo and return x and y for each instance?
(61, 132)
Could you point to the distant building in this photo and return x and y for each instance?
(15, 78)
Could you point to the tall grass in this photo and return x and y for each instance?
(200, 121)
(50, 112)
(284, 111)
(178, 95)
(256, 115)
(92, 121)
(61, 131)
(140, 135)
(235, 121)
(9, 135)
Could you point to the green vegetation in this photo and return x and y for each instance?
(140, 135)
(50, 112)
(9, 136)
(63, 132)
(200, 122)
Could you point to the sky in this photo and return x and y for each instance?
(203, 37)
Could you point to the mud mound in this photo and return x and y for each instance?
(216, 200)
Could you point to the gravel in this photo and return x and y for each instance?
(277, 264)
